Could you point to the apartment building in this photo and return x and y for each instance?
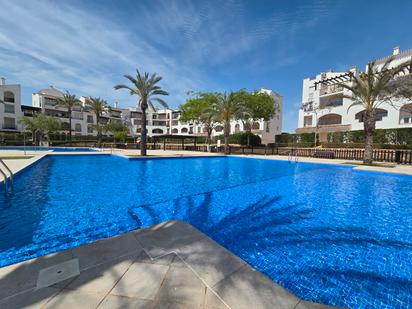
(324, 108)
(159, 121)
(10, 107)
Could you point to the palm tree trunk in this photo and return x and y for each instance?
(209, 138)
(143, 139)
(226, 136)
(70, 127)
(369, 127)
(99, 132)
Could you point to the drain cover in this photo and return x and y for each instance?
(57, 273)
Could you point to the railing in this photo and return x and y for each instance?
(379, 155)
(3, 165)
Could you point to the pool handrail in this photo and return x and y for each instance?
(5, 176)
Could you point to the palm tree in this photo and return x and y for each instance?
(69, 101)
(146, 88)
(369, 90)
(97, 106)
(227, 106)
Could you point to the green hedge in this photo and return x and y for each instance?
(296, 140)
(384, 138)
(241, 139)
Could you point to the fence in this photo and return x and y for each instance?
(379, 155)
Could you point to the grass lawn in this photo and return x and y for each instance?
(16, 157)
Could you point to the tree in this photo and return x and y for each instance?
(69, 101)
(146, 88)
(40, 126)
(370, 89)
(118, 129)
(226, 107)
(97, 106)
(200, 109)
(256, 106)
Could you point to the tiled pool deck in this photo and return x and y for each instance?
(170, 265)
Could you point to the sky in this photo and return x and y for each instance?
(86, 47)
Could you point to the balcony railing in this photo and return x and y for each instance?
(326, 90)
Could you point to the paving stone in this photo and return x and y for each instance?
(102, 278)
(163, 260)
(247, 288)
(74, 299)
(106, 250)
(214, 302)
(163, 304)
(22, 276)
(58, 273)
(33, 299)
(167, 237)
(183, 286)
(121, 302)
(311, 305)
(141, 281)
(209, 260)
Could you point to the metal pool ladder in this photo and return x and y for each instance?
(10, 177)
(293, 156)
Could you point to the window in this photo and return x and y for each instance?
(8, 96)
(379, 114)
(78, 127)
(219, 128)
(175, 131)
(307, 121)
(157, 131)
(184, 130)
(255, 126)
(9, 123)
(90, 119)
(237, 128)
(405, 114)
(267, 127)
(89, 129)
(8, 108)
(330, 119)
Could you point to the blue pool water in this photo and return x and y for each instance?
(54, 149)
(329, 234)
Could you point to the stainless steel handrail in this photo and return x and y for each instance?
(5, 176)
(5, 180)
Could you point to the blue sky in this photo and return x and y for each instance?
(86, 47)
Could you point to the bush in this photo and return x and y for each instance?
(241, 139)
(296, 140)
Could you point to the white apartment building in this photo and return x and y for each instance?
(159, 121)
(10, 107)
(325, 110)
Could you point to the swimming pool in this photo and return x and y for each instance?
(328, 233)
(54, 149)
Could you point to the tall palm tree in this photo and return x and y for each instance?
(146, 88)
(227, 106)
(97, 106)
(69, 101)
(370, 89)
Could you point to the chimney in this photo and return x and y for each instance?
(2, 81)
(396, 50)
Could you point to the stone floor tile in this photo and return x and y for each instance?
(209, 260)
(121, 302)
(74, 299)
(141, 281)
(214, 302)
(164, 260)
(165, 304)
(247, 288)
(22, 276)
(106, 250)
(102, 278)
(183, 286)
(167, 237)
(33, 299)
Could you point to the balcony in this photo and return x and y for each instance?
(329, 90)
(307, 106)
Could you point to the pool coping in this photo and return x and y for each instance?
(191, 258)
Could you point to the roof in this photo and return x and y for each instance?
(53, 92)
(402, 54)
